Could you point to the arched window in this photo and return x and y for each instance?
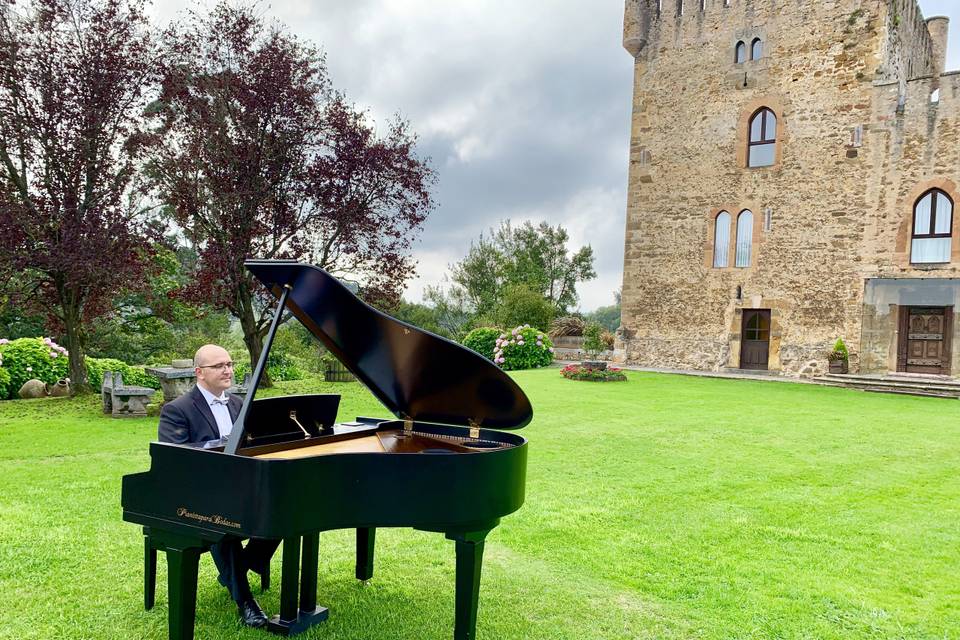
(763, 139)
(932, 228)
(740, 53)
(721, 240)
(744, 237)
(756, 49)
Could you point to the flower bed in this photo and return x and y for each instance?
(578, 372)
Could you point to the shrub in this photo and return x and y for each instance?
(483, 340)
(281, 367)
(577, 372)
(593, 342)
(839, 351)
(27, 358)
(520, 304)
(567, 326)
(132, 376)
(42, 358)
(4, 383)
(523, 348)
(608, 339)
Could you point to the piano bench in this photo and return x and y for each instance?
(150, 548)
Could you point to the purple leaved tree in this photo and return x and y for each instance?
(74, 75)
(260, 159)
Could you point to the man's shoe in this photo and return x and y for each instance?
(252, 614)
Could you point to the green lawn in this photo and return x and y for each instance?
(663, 507)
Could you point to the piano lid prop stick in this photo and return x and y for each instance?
(236, 434)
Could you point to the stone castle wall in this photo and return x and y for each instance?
(856, 137)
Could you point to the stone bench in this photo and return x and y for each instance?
(122, 401)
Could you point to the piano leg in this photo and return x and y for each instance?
(308, 569)
(149, 572)
(294, 618)
(469, 561)
(365, 543)
(182, 590)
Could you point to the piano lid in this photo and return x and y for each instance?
(414, 373)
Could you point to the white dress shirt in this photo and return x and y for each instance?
(219, 409)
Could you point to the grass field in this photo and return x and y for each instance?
(663, 507)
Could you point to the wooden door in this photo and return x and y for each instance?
(755, 339)
(925, 337)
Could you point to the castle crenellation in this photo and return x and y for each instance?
(808, 133)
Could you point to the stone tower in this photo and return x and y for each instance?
(781, 153)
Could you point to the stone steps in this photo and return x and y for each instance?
(935, 387)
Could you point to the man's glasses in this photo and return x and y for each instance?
(217, 367)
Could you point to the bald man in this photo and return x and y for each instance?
(207, 413)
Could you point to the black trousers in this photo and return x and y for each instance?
(233, 561)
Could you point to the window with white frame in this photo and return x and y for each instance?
(721, 240)
(932, 228)
(744, 238)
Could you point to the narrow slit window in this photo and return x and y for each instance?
(744, 238)
(932, 228)
(763, 139)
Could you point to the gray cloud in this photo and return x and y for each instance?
(524, 108)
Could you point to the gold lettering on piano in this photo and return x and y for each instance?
(183, 512)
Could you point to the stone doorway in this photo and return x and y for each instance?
(755, 341)
(925, 344)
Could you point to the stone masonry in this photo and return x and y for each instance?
(867, 122)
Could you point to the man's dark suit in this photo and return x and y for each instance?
(189, 419)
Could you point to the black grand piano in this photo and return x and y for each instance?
(440, 464)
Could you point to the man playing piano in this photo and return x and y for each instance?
(207, 412)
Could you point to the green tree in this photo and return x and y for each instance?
(422, 316)
(451, 309)
(608, 317)
(535, 257)
(521, 306)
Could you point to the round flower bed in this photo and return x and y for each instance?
(578, 372)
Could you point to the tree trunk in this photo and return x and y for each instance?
(252, 337)
(73, 326)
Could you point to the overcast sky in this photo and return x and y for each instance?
(523, 106)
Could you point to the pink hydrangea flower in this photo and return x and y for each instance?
(53, 354)
(4, 340)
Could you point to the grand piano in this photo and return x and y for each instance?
(441, 463)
